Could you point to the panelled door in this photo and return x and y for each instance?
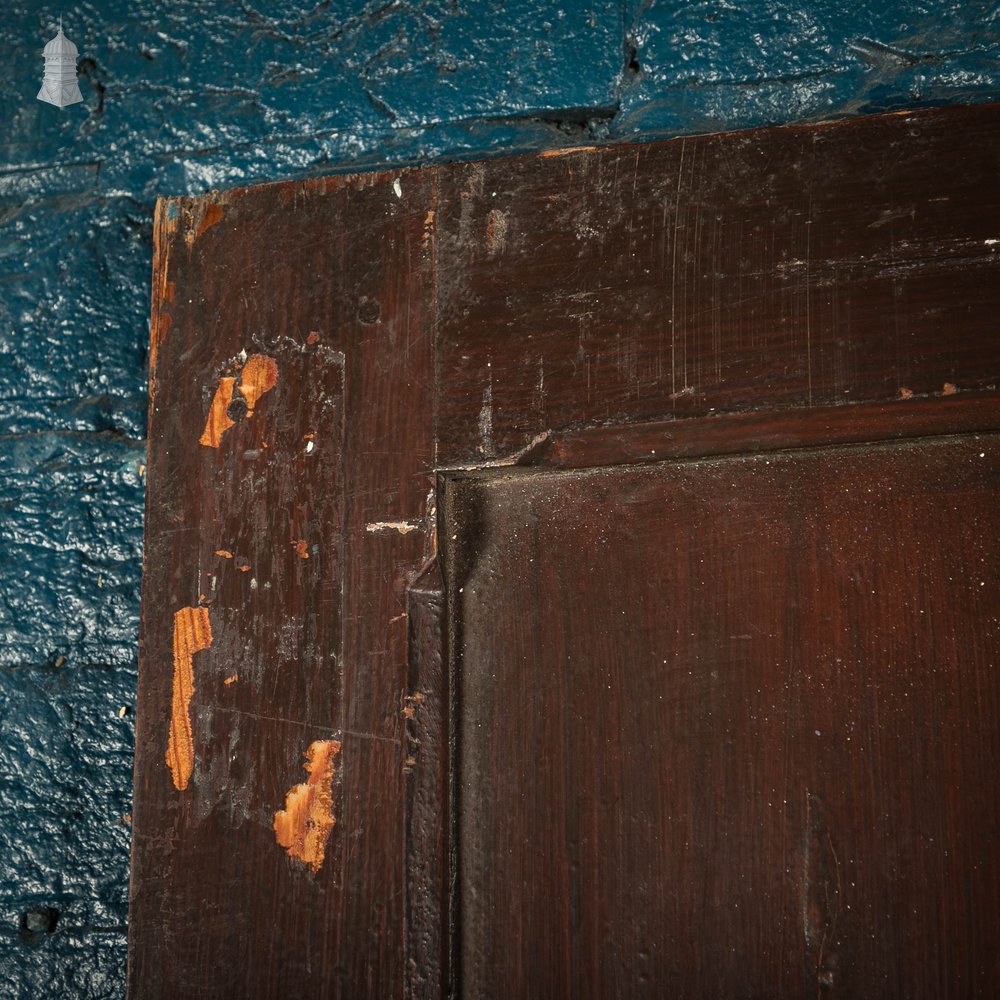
(576, 575)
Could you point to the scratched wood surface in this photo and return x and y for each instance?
(806, 266)
(326, 775)
(284, 534)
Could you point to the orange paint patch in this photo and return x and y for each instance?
(231, 680)
(313, 338)
(218, 419)
(192, 634)
(303, 826)
(164, 225)
(950, 388)
(905, 393)
(225, 553)
(213, 215)
(259, 375)
(302, 548)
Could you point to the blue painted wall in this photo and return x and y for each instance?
(184, 96)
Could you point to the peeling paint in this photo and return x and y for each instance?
(192, 634)
(303, 826)
(258, 376)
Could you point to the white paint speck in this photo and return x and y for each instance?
(403, 527)
(397, 188)
(309, 447)
(486, 420)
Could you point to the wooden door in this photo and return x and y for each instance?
(576, 576)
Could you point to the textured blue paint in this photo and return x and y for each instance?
(185, 96)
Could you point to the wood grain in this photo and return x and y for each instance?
(732, 731)
(544, 345)
(307, 606)
(796, 267)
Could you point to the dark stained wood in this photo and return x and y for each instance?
(729, 727)
(320, 277)
(770, 430)
(427, 766)
(804, 266)
(712, 426)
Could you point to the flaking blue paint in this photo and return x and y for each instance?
(185, 96)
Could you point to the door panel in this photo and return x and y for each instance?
(724, 725)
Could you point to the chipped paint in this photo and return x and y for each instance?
(549, 154)
(192, 634)
(218, 421)
(411, 702)
(303, 826)
(301, 547)
(403, 527)
(258, 376)
(212, 216)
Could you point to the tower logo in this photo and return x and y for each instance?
(59, 85)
